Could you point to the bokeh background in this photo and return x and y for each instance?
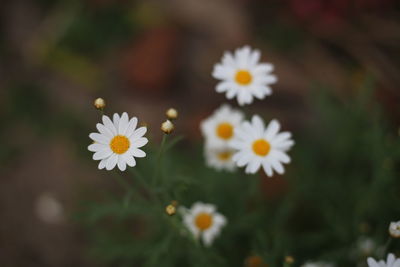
(57, 56)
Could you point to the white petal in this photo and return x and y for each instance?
(267, 169)
(129, 159)
(223, 86)
(281, 156)
(284, 146)
(97, 147)
(138, 153)
(219, 220)
(123, 123)
(208, 237)
(258, 124)
(99, 138)
(243, 159)
(138, 133)
(267, 79)
(109, 124)
(222, 72)
(102, 154)
(253, 166)
(254, 58)
(228, 59)
(116, 121)
(390, 259)
(102, 164)
(241, 98)
(104, 130)
(372, 262)
(231, 93)
(111, 162)
(140, 142)
(272, 129)
(121, 163)
(131, 126)
(209, 208)
(277, 166)
(263, 68)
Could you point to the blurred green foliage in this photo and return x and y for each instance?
(342, 186)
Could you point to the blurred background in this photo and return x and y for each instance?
(57, 56)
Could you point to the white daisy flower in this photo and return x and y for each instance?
(218, 129)
(243, 77)
(220, 158)
(317, 264)
(203, 221)
(394, 229)
(118, 142)
(391, 261)
(259, 146)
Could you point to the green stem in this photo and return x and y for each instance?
(123, 183)
(387, 245)
(157, 176)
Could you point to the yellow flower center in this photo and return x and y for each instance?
(225, 156)
(261, 147)
(243, 77)
(203, 221)
(225, 130)
(120, 144)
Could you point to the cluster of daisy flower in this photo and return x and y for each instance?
(230, 140)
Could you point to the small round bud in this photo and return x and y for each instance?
(289, 260)
(170, 210)
(174, 203)
(167, 127)
(172, 114)
(99, 103)
(394, 229)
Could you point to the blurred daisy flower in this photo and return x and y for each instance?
(220, 158)
(394, 229)
(118, 142)
(317, 264)
(258, 146)
(391, 261)
(218, 129)
(243, 77)
(203, 221)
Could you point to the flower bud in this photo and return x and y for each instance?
(172, 114)
(170, 210)
(289, 260)
(167, 127)
(99, 103)
(394, 229)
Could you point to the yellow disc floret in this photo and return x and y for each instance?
(203, 221)
(243, 77)
(261, 147)
(225, 155)
(120, 144)
(225, 130)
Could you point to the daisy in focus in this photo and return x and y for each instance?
(394, 229)
(243, 77)
(220, 158)
(203, 221)
(118, 141)
(391, 261)
(218, 129)
(259, 146)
